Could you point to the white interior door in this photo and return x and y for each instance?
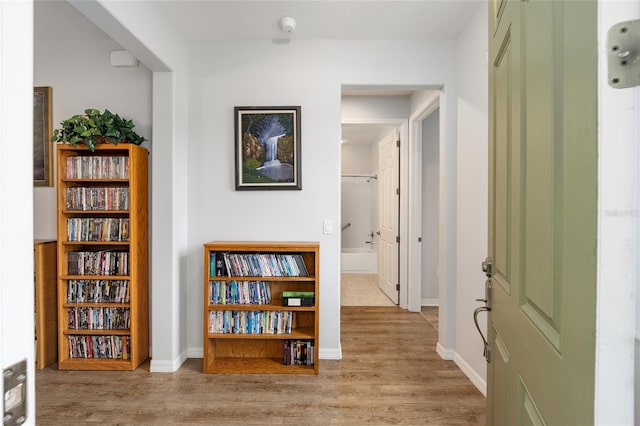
(388, 213)
(16, 213)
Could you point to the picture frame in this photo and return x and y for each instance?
(267, 148)
(42, 117)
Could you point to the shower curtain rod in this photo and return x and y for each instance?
(362, 176)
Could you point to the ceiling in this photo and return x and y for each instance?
(320, 19)
(259, 19)
(225, 20)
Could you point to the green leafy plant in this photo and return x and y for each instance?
(94, 127)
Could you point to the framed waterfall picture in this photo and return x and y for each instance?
(267, 150)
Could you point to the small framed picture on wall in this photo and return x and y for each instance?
(42, 156)
(267, 148)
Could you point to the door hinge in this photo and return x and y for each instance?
(398, 143)
(398, 286)
(398, 239)
(397, 191)
(15, 393)
(623, 40)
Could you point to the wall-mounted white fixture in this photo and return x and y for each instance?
(288, 24)
(123, 59)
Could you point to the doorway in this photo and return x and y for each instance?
(364, 187)
(366, 112)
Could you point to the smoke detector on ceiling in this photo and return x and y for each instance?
(288, 24)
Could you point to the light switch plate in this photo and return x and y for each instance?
(327, 226)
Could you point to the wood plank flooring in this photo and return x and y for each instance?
(390, 374)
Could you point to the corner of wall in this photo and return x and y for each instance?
(446, 354)
(168, 366)
(331, 353)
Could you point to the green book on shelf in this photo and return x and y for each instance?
(298, 294)
(298, 298)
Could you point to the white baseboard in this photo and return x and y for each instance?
(471, 374)
(330, 353)
(446, 354)
(167, 366)
(430, 302)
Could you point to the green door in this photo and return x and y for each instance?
(542, 212)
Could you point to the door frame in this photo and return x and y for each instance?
(446, 224)
(618, 234)
(414, 193)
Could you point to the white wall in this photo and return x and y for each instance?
(72, 68)
(374, 107)
(357, 195)
(472, 190)
(430, 207)
(310, 74)
(357, 159)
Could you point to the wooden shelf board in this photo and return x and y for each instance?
(95, 364)
(238, 307)
(256, 366)
(96, 243)
(89, 180)
(96, 277)
(298, 333)
(310, 279)
(96, 305)
(96, 212)
(100, 332)
(263, 246)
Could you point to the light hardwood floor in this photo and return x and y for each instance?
(390, 374)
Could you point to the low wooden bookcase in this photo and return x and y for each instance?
(248, 326)
(46, 321)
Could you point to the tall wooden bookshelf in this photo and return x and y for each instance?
(103, 297)
(259, 346)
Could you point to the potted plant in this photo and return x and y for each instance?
(94, 127)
